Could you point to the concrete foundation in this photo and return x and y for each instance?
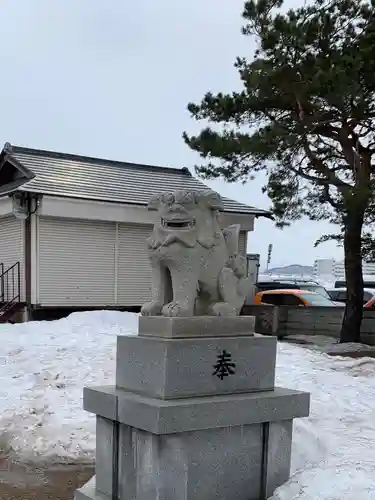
(172, 429)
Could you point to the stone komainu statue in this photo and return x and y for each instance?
(196, 267)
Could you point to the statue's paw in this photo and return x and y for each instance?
(152, 308)
(175, 308)
(223, 309)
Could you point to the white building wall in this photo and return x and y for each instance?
(55, 206)
(369, 268)
(331, 267)
(324, 267)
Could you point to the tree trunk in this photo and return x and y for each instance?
(351, 325)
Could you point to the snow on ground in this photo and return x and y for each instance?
(44, 366)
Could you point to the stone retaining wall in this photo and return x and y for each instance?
(282, 321)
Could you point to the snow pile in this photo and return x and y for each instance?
(43, 369)
(45, 365)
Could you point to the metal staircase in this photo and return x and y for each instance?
(10, 291)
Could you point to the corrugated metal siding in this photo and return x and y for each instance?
(76, 262)
(81, 177)
(12, 247)
(98, 264)
(133, 269)
(243, 242)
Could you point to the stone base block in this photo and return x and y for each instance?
(189, 367)
(182, 415)
(196, 326)
(232, 447)
(231, 463)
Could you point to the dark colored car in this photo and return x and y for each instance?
(340, 295)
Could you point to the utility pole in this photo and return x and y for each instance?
(270, 247)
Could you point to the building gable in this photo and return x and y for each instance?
(12, 173)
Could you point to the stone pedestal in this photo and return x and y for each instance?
(194, 414)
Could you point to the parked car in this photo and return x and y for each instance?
(292, 297)
(340, 294)
(366, 283)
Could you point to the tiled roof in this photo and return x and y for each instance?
(76, 176)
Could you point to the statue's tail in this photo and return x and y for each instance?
(232, 238)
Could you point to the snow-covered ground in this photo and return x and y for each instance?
(44, 366)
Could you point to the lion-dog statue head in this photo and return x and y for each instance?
(187, 218)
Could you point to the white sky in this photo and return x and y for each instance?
(112, 79)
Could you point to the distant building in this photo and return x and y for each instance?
(331, 267)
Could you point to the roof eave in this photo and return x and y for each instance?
(24, 187)
(13, 187)
(267, 215)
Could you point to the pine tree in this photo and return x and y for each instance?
(305, 116)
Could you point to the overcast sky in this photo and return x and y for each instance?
(112, 79)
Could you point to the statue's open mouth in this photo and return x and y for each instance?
(177, 223)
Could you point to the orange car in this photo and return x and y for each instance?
(292, 297)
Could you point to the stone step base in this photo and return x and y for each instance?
(160, 416)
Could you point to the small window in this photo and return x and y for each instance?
(292, 300)
(341, 296)
(281, 299)
(333, 294)
(314, 299)
(275, 299)
(340, 284)
(317, 289)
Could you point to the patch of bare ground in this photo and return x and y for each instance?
(331, 346)
(55, 482)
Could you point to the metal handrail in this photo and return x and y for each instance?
(10, 283)
(1, 282)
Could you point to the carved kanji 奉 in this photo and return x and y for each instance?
(224, 365)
